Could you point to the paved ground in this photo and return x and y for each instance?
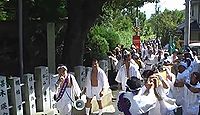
(109, 110)
(112, 110)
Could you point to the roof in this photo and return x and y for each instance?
(194, 25)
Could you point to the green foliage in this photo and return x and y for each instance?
(98, 45)
(109, 34)
(45, 10)
(6, 10)
(166, 23)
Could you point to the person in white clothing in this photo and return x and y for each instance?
(191, 95)
(67, 88)
(96, 83)
(182, 76)
(127, 71)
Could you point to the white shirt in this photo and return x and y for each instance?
(102, 81)
(179, 91)
(122, 75)
(191, 101)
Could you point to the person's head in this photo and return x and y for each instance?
(194, 53)
(188, 61)
(166, 54)
(127, 56)
(160, 52)
(62, 70)
(95, 63)
(187, 55)
(150, 51)
(175, 52)
(182, 67)
(134, 83)
(195, 78)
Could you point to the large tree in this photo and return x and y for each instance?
(82, 15)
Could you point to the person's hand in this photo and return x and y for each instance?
(160, 77)
(101, 93)
(76, 97)
(149, 85)
(54, 97)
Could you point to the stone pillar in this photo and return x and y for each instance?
(15, 96)
(4, 110)
(29, 94)
(51, 47)
(104, 65)
(80, 75)
(53, 80)
(42, 89)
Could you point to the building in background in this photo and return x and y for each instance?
(194, 22)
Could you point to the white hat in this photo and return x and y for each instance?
(62, 66)
(183, 64)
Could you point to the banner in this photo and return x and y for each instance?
(136, 41)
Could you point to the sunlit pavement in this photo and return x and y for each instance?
(112, 109)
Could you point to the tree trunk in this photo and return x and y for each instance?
(81, 16)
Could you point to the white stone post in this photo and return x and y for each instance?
(80, 75)
(104, 65)
(42, 89)
(15, 96)
(29, 94)
(53, 80)
(4, 110)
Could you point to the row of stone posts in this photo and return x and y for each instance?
(35, 92)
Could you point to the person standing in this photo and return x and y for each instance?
(66, 88)
(96, 83)
(127, 71)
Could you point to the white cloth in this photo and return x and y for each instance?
(122, 75)
(112, 61)
(167, 105)
(170, 91)
(179, 91)
(191, 101)
(150, 62)
(140, 103)
(102, 83)
(64, 105)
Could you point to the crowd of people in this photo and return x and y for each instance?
(179, 89)
(137, 74)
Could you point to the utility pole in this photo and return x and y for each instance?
(137, 21)
(156, 12)
(20, 39)
(187, 23)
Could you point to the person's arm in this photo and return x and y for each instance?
(192, 89)
(118, 79)
(165, 85)
(178, 83)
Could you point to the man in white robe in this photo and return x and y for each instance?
(96, 83)
(127, 71)
(67, 88)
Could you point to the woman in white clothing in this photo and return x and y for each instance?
(67, 88)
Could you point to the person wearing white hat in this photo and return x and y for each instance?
(182, 76)
(67, 88)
